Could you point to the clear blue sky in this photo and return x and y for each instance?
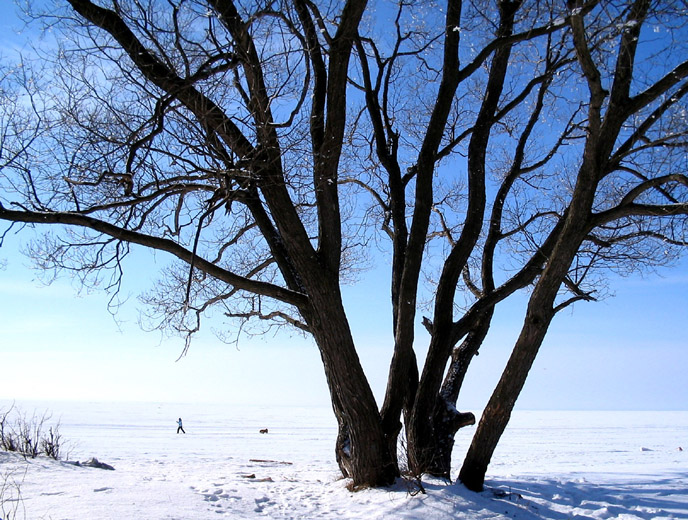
(629, 352)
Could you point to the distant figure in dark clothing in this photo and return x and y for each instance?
(180, 428)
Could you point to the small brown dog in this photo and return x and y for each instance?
(264, 430)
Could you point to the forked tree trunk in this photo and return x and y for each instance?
(363, 455)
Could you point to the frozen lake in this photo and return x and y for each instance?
(555, 465)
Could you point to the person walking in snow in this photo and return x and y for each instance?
(179, 422)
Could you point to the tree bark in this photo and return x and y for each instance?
(362, 448)
(447, 420)
(499, 408)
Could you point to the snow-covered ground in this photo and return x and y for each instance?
(554, 465)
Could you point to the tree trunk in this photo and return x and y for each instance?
(433, 428)
(539, 315)
(447, 420)
(498, 411)
(362, 448)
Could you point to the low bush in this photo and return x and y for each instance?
(28, 436)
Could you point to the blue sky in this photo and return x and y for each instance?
(628, 352)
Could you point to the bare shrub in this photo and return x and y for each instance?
(11, 502)
(29, 432)
(8, 441)
(27, 435)
(412, 480)
(51, 444)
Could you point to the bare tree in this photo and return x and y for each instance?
(498, 147)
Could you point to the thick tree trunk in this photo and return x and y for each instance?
(362, 448)
(362, 451)
(419, 434)
(433, 428)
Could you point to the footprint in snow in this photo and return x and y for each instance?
(219, 494)
(261, 503)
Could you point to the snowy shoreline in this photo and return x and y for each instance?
(623, 465)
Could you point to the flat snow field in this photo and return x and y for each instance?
(553, 465)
